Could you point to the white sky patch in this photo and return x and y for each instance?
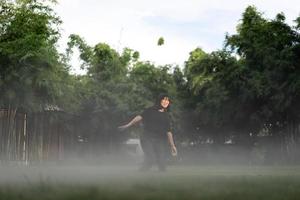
(138, 24)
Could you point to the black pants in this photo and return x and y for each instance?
(154, 153)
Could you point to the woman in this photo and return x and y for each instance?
(157, 130)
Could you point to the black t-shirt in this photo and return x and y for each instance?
(156, 123)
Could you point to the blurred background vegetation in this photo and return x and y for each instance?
(238, 102)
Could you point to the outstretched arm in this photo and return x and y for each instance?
(172, 144)
(135, 120)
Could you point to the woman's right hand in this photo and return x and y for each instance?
(122, 128)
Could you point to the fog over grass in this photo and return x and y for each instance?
(125, 182)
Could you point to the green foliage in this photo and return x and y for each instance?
(154, 79)
(29, 59)
(297, 21)
(85, 50)
(253, 81)
(269, 49)
(160, 41)
(214, 82)
(229, 96)
(108, 95)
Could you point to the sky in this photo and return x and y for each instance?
(138, 24)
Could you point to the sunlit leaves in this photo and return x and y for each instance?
(160, 41)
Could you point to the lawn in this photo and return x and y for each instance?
(179, 182)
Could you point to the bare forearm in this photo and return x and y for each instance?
(171, 142)
(170, 139)
(135, 120)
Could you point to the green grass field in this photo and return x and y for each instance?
(198, 182)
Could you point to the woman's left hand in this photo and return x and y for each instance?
(173, 151)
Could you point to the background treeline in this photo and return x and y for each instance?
(240, 103)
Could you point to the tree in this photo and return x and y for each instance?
(29, 59)
(33, 74)
(107, 94)
(214, 81)
(269, 50)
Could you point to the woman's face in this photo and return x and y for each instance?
(165, 102)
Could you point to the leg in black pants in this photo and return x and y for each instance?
(154, 153)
